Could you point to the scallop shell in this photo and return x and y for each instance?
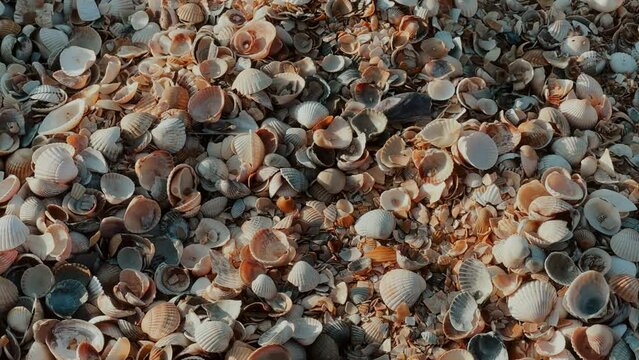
(136, 124)
(161, 320)
(561, 268)
(478, 149)
(533, 301)
(306, 330)
(441, 132)
(309, 113)
(116, 188)
(401, 286)
(8, 295)
(586, 87)
(75, 60)
(13, 232)
(579, 113)
(251, 81)
(625, 244)
(475, 279)
(107, 141)
(587, 296)
(487, 346)
(213, 336)
(536, 133)
(463, 312)
(602, 216)
(170, 135)
(19, 319)
(435, 166)
(376, 224)
(592, 342)
(304, 276)
(571, 148)
(64, 118)
(264, 287)
(190, 13)
(512, 251)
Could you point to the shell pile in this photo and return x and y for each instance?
(332, 179)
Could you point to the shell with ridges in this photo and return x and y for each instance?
(474, 278)
(213, 336)
(533, 301)
(401, 286)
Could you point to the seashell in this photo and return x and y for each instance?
(575, 45)
(579, 113)
(213, 336)
(304, 276)
(487, 346)
(435, 166)
(401, 286)
(334, 63)
(587, 296)
(622, 63)
(142, 215)
(478, 149)
(9, 187)
(170, 135)
(625, 244)
(561, 268)
(602, 216)
(559, 29)
(116, 188)
(586, 87)
(19, 163)
(573, 149)
(269, 352)
(441, 132)
(333, 180)
(512, 251)
(533, 301)
(280, 333)
(264, 287)
(161, 320)
(107, 141)
(19, 319)
(8, 295)
(463, 312)
(369, 122)
(456, 354)
(136, 124)
(626, 287)
(440, 90)
(286, 87)
(37, 281)
(75, 60)
(324, 347)
(595, 259)
(377, 224)
(604, 5)
(251, 81)
(66, 297)
(475, 279)
(157, 164)
(212, 233)
(306, 330)
(254, 40)
(271, 247)
(396, 200)
(13, 232)
(64, 118)
(375, 330)
(309, 113)
(190, 13)
(64, 336)
(592, 342)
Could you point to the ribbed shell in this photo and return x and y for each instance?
(626, 287)
(622, 63)
(161, 320)
(295, 178)
(571, 148)
(213, 336)
(304, 276)
(625, 244)
(401, 286)
(441, 132)
(306, 330)
(309, 113)
(579, 113)
(376, 224)
(559, 29)
(462, 312)
(19, 163)
(375, 330)
(55, 164)
(561, 268)
(136, 124)
(264, 287)
(587, 297)
(13, 232)
(278, 334)
(190, 13)
(533, 301)
(251, 81)
(8, 294)
(107, 141)
(170, 135)
(487, 346)
(474, 278)
(19, 319)
(586, 87)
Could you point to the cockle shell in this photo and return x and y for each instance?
(116, 188)
(475, 279)
(579, 113)
(369, 122)
(487, 346)
(64, 118)
(306, 330)
(625, 244)
(251, 81)
(533, 301)
(19, 319)
(64, 337)
(8, 295)
(377, 224)
(280, 333)
(626, 287)
(213, 336)
(464, 312)
(161, 320)
(142, 215)
(170, 135)
(622, 63)
(602, 216)
(587, 296)
(271, 247)
(592, 342)
(75, 60)
(304, 276)
(401, 286)
(512, 251)
(478, 149)
(107, 141)
(13, 232)
(441, 132)
(264, 287)
(135, 124)
(309, 113)
(440, 90)
(338, 135)
(573, 149)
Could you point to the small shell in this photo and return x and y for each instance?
(190, 13)
(264, 287)
(309, 113)
(251, 81)
(334, 63)
(116, 188)
(625, 244)
(561, 268)
(338, 135)
(587, 297)
(142, 215)
(19, 163)
(66, 297)
(212, 233)
(306, 330)
(213, 336)
(401, 286)
(396, 200)
(475, 279)
(602, 216)
(37, 281)
(19, 319)
(536, 133)
(207, 104)
(592, 342)
(533, 301)
(271, 247)
(595, 259)
(377, 224)
(170, 135)
(478, 149)
(579, 113)
(75, 60)
(369, 122)
(304, 276)
(278, 334)
(571, 148)
(435, 165)
(161, 320)
(575, 45)
(487, 346)
(456, 354)
(463, 312)
(333, 180)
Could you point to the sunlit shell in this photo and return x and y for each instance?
(587, 296)
(333, 180)
(306, 330)
(64, 337)
(309, 113)
(435, 166)
(13, 232)
(625, 244)
(626, 287)
(475, 279)
(532, 302)
(338, 135)
(278, 334)
(250, 81)
(441, 90)
(107, 141)
(264, 287)
(602, 216)
(255, 39)
(377, 224)
(63, 118)
(304, 276)
(271, 247)
(463, 312)
(579, 113)
(592, 342)
(213, 336)
(559, 185)
(512, 251)
(170, 135)
(75, 60)
(561, 268)
(190, 13)
(116, 187)
(161, 320)
(478, 149)
(401, 286)
(396, 200)
(571, 148)
(441, 132)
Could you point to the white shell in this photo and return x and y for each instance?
(441, 132)
(586, 87)
(309, 113)
(107, 141)
(602, 216)
(625, 244)
(304, 276)
(587, 297)
(306, 330)
(579, 113)
(377, 224)
(478, 149)
(55, 164)
(64, 118)
(533, 301)
(605, 5)
(571, 148)
(475, 279)
(278, 334)
(251, 81)
(170, 135)
(440, 90)
(213, 336)
(512, 251)
(401, 286)
(622, 63)
(462, 313)
(116, 187)
(264, 287)
(75, 60)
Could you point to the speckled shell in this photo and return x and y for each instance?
(401, 286)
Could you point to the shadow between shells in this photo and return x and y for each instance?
(255, 180)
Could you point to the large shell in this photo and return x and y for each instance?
(107, 141)
(587, 297)
(475, 279)
(478, 149)
(533, 301)
(377, 224)
(8, 295)
(487, 346)
(75, 60)
(441, 132)
(561, 268)
(170, 135)
(579, 113)
(304, 276)
(571, 148)
(625, 244)
(626, 287)
(264, 287)
(64, 337)
(207, 104)
(401, 286)
(213, 336)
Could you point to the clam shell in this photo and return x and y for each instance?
(190, 13)
(37, 281)
(170, 135)
(435, 166)
(619, 201)
(271, 247)
(571, 148)
(512, 251)
(441, 132)
(586, 87)
(309, 113)
(478, 149)
(487, 346)
(64, 337)
(338, 135)
(463, 311)
(396, 200)
(306, 330)
(161, 320)
(376, 224)
(333, 180)
(136, 124)
(19, 163)
(401, 286)
(212, 233)
(157, 164)
(456, 354)
(587, 296)
(602, 216)
(625, 244)
(475, 279)
(533, 301)
(626, 287)
(116, 188)
(280, 333)
(264, 287)
(213, 336)
(440, 90)
(592, 342)
(304, 276)
(207, 104)
(19, 319)
(8, 295)
(75, 60)
(13, 232)
(107, 141)
(536, 133)
(604, 5)
(250, 81)
(64, 118)
(561, 268)
(579, 113)
(369, 122)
